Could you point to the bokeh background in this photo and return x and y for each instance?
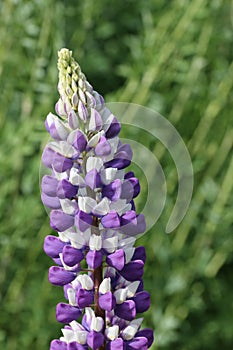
(172, 56)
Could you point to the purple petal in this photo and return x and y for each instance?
(142, 301)
(134, 228)
(93, 179)
(111, 220)
(113, 190)
(113, 129)
(117, 259)
(83, 220)
(119, 163)
(73, 119)
(71, 256)
(137, 343)
(129, 174)
(78, 140)
(66, 313)
(49, 185)
(84, 298)
(139, 254)
(127, 190)
(60, 221)
(122, 157)
(129, 218)
(66, 190)
(117, 344)
(126, 310)
(94, 259)
(133, 271)
(58, 345)
(103, 148)
(82, 111)
(76, 346)
(55, 127)
(50, 159)
(95, 121)
(50, 202)
(95, 340)
(53, 246)
(107, 301)
(59, 276)
(147, 333)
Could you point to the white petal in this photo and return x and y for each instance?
(119, 206)
(95, 242)
(97, 324)
(102, 208)
(75, 178)
(86, 204)
(68, 335)
(81, 337)
(76, 326)
(130, 331)
(108, 175)
(110, 244)
(105, 113)
(86, 282)
(68, 206)
(71, 296)
(112, 332)
(105, 286)
(67, 150)
(129, 252)
(107, 121)
(131, 289)
(60, 176)
(94, 163)
(120, 174)
(89, 313)
(94, 140)
(126, 242)
(63, 237)
(121, 295)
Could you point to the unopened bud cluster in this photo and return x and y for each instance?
(91, 198)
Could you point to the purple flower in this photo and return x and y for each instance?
(91, 197)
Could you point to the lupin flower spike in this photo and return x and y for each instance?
(91, 198)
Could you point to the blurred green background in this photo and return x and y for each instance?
(173, 56)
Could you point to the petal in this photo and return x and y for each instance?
(53, 246)
(133, 271)
(60, 221)
(66, 313)
(147, 333)
(95, 340)
(113, 190)
(103, 148)
(142, 301)
(117, 259)
(83, 220)
(94, 259)
(107, 301)
(58, 345)
(127, 310)
(71, 255)
(59, 276)
(111, 220)
(92, 179)
(66, 190)
(50, 202)
(84, 298)
(49, 185)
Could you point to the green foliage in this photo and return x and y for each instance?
(173, 56)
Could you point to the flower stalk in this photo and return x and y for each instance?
(91, 198)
